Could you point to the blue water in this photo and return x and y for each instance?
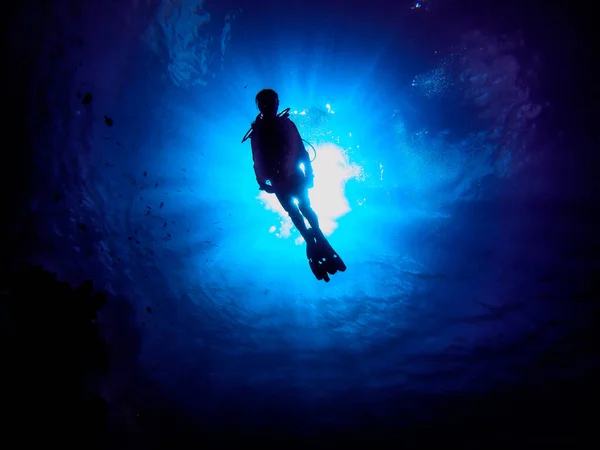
(439, 174)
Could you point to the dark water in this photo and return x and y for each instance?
(467, 315)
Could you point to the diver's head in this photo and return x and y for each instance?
(267, 102)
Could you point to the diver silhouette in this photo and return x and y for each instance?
(283, 167)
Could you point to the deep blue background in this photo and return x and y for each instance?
(471, 295)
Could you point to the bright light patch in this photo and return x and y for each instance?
(331, 169)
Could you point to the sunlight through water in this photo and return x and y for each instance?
(332, 169)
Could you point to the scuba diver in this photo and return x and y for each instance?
(283, 167)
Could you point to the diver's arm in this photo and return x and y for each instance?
(259, 169)
(305, 159)
(303, 155)
(297, 153)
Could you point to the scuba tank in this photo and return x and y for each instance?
(283, 114)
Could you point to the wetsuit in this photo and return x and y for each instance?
(278, 151)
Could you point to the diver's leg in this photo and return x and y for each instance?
(309, 213)
(287, 201)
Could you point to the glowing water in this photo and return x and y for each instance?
(332, 169)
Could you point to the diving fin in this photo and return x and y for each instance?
(322, 258)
